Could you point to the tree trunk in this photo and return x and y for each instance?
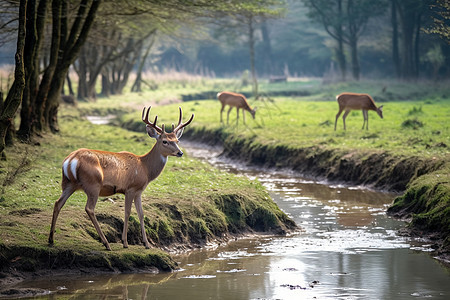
(353, 30)
(69, 84)
(72, 47)
(41, 98)
(417, 44)
(395, 49)
(82, 90)
(340, 52)
(15, 94)
(31, 67)
(137, 83)
(267, 50)
(408, 10)
(251, 43)
(355, 60)
(106, 85)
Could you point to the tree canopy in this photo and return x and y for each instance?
(108, 40)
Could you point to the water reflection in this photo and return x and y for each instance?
(348, 249)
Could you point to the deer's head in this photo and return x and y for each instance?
(253, 112)
(380, 111)
(166, 143)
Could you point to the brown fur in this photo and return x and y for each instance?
(354, 101)
(234, 100)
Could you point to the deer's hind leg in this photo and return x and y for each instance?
(221, 112)
(68, 189)
(345, 116)
(128, 202)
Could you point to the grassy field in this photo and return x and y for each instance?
(408, 127)
(415, 122)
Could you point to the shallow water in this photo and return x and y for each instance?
(348, 249)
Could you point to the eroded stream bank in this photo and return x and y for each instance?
(424, 181)
(349, 249)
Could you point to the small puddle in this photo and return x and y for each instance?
(101, 120)
(348, 249)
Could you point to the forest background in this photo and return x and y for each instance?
(104, 42)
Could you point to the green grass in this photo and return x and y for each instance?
(305, 123)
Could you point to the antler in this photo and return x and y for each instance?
(181, 125)
(146, 121)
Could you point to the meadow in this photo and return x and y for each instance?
(192, 203)
(415, 115)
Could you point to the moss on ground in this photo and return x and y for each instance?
(427, 203)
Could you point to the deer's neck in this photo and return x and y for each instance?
(154, 162)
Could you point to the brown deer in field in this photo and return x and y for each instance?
(353, 101)
(234, 100)
(102, 173)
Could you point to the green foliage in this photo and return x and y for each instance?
(412, 123)
(415, 111)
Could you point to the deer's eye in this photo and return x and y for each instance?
(165, 142)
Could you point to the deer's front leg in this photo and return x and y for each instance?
(337, 117)
(345, 116)
(366, 118)
(140, 212)
(128, 202)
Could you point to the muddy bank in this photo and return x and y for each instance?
(375, 169)
(424, 181)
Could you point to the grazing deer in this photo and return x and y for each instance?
(102, 173)
(234, 100)
(353, 101)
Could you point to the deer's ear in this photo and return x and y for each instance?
(152, 132)
(179, 133)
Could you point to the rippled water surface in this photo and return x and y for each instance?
(348, 249)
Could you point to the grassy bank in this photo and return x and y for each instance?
(189, 205)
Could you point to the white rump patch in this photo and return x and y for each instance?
(65, 168)
(73, 167)
(72, 164)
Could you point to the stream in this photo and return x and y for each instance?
(348, 248)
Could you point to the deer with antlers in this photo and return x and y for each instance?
(235, 100)
(102, 173)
